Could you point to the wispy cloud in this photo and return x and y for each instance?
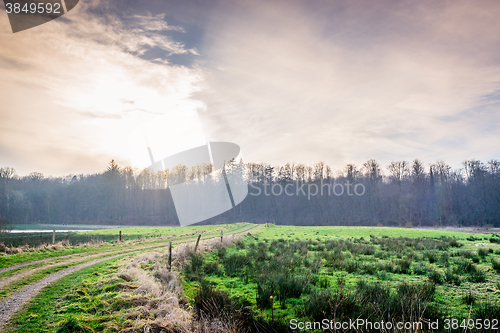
(85, 89)
(352, 81)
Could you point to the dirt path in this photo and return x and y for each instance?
(245, 228)
(5, 281)
(35, 262)
(25, 273)
(12, 304)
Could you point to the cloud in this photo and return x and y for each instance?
(288, 81)
(353, 81)
(85, 89)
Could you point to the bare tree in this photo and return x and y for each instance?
(398, 171)
(417, 171)
(371, 169)
(351, 172)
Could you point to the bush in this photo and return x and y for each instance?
(488, 310)
(216, 304)
(495, 264)
(211, 268)
(193, 269)
(420, 269)
(350, 266)
(478, 276)
(451, 278)
(482, 252)
(264, 293)
(443, 259)
(465, 266)
(436, 277)
(282, 287)
(404, 266)
(454, 243)
(432, 256)
(469, 298)
(324, 304)
(235, 263)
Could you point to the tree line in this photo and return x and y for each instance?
(402, 194)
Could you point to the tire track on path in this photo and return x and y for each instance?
(14, 303)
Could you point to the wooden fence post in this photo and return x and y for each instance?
(221, 235)
(54, 236)
(197, 242)
(169, 256)
(120, 235)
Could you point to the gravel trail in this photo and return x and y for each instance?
(25, 273)
(34, 262)
(12, 304)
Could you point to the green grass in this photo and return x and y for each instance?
(86, 296)
(19, 284)
(291, 232)
(304, 267)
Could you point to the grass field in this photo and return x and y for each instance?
(313, 273)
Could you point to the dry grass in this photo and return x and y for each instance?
(26, 248)
(65, 243)
(165, 306)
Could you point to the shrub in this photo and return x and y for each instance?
(487, 310)
(404, 265)
(283, 287)
(482, 252)
(432, 256)
(264, 293)
(211, 267)
(454, 243)
(443, 259)
(323, 282)
(469, 298)
(350, 266)
(451, 278)
(465, 266)
(216, 304)
(221, 253)
(466, 254)
(235, 263)
(193, 269)
(323, 303)
(436, 277)
(478, 276)
(420, 269)
(495, 264)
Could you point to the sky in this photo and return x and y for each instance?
(288, 81)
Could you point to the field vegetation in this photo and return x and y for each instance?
(312, 273)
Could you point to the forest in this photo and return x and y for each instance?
(401, 194)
